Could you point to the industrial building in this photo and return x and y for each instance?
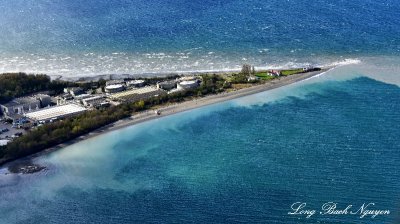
(94, 101)
(82, 97)
(63, 99)
(45, 100)
(16, 108)
(138, 94)
(114, 88)
(54, 113)
(167, 85)
(187, 85)
(74, 91)
(136, 83)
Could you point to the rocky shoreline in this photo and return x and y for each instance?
(25, 167)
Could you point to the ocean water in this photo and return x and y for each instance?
(81, 38)
(332, 138)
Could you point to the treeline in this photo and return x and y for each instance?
(154, 80)
(52, 134)
(19, 84)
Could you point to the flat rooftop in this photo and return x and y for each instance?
(139, 91)
(114, 86)
(95, 97)
(56, 112)
(137, 81)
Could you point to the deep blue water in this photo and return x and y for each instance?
(71, 38)
(239, 161)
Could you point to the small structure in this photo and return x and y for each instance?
(82, 97)
(275, 73)
(54, 113)
(67, 96)
(94, 101)
(104, 104)
(45, 100)
(114, 88)
(252, 78)
(138, 94)
(167, 85)
(308, 69)
(136, 83)
(78, 99)
(63, 99)
(74, 91)
(188, 85)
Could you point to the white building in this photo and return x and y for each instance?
(83, 96)
(167, 85)
(94, 101)
(114, 88)
(136, 83)
(54, 113)
(188, 85)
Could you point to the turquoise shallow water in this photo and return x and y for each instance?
(333, 138)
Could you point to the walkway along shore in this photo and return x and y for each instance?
(177, 108)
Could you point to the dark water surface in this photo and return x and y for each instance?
(75, 38)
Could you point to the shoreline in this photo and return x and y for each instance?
(174, 109)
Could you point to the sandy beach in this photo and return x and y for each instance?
(177, 108)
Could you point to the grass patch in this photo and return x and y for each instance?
(264, 76)
(291, 71)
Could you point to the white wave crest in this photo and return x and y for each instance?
(347, 61)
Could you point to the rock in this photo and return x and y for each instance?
(25, 167)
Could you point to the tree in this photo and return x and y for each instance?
(139, 104)
(246, 70)
(20, 84)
